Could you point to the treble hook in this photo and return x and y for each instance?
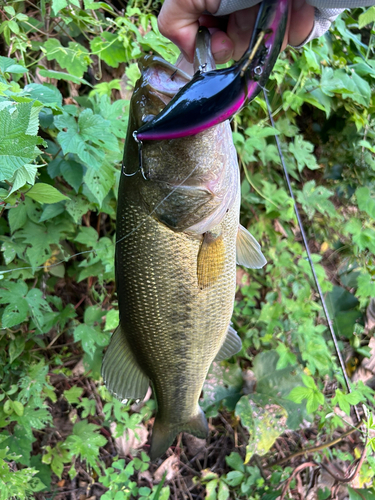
(140, 158)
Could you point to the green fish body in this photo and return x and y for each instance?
(177, 237)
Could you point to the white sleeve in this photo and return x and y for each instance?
(228, 6)
(326, 11)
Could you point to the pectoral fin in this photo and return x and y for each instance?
(121, 373)
(211, 258)
(249, 253)
(231, 345)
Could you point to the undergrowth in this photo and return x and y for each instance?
(67, 70)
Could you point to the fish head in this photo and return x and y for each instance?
(187, 182)
(160, 81)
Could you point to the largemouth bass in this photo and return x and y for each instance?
(177, 237)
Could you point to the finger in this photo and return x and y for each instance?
(240, 28)
(286, 36)
(301, 22)
(178, 21)
(222, 47)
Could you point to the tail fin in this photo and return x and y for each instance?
(164, 434)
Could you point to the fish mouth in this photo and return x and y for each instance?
(165, 79)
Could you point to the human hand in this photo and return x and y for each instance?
(179, 21)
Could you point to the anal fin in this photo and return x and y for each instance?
(249, 253)
(121, 373)
(211, 258)
(231, 345)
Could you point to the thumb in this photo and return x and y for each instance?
(178, 21)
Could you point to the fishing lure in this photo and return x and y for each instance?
(212, 97)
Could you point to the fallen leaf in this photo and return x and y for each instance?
(78, 369)
(194, 445)
(129, 443)
(170, 466)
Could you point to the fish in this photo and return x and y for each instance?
(212, 97)
(177, 241)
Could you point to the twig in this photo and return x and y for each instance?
(296, 471)
(317, 448)
(354, 474)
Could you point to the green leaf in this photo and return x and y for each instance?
(16, 147)
(367, 17)
(89, 138)
(47, 94)
(72, 172)
(235, 462)
(57, 5)
(10, 10)
(348, 85)
(109, 48)
(16, 347)
(90, 338)
(111, 320)
(25, 174)
(77, 206)
(8, 65)
(72, 395)
(45, 193)
(223, 493)
(365, 202)
(13, 294)
(286, 357)
(366, 286)
(361, 494)
(302, 151)
(275, 385)
(13, 26)
(264, 423)
(61, 75)
(315, 198)
(346, 400)
(39, 237)
(18, 408)
(17, 217)
(75, 58)
(85, 442)
(38, 306)
(100, 182)
(310, 392)
(51, 211)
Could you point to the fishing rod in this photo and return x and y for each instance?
(306, 244)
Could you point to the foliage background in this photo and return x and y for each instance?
(67, 69)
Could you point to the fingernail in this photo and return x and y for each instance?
(223, 56)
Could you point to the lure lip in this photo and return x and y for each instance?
(214, 96)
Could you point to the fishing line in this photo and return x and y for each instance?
(306, 244)
(45, 266)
